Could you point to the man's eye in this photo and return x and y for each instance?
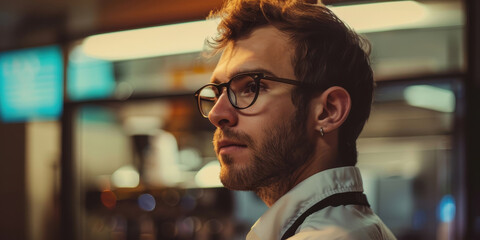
(251, 87)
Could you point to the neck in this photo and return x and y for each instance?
(275, 188)
(270, 193)
(319, 161)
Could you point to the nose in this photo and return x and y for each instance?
(223, 114)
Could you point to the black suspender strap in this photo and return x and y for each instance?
(346, 198)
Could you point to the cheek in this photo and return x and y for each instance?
(282, 111)
(254, 127)
(257, 126)
(276, 112)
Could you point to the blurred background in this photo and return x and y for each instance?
(100, 137)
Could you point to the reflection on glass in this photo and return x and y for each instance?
(156, 159)
(430, 97)
(406, 156)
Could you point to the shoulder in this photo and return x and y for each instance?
(343, 223)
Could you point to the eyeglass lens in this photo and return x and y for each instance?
(242, 91)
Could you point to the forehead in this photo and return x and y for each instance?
(265, 49)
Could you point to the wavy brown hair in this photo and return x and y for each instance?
(327, 53)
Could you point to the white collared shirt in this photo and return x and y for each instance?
(342, 222)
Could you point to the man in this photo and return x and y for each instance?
(289, 97)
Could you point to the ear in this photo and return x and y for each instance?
(331, 109)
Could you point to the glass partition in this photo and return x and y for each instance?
(408, 159)
(147, 168)
(144, 167)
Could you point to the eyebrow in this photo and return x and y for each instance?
(215, 81)
(245, 71)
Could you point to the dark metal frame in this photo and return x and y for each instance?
(256, 77)
(472, 127)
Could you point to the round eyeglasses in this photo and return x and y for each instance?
(242, 91)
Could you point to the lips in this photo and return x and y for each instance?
(229, 144)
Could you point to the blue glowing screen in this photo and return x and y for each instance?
(31, 84)
(88, 77)
(446, 209)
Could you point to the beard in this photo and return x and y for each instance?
(284, 148)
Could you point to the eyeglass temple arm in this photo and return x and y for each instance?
(283, 80)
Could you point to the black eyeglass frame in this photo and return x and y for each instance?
(255, 76)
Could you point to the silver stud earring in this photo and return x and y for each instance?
(321, 131)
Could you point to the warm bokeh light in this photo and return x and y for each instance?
(126, 177)
(209, 175)
(109, 199)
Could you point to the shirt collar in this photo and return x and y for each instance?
(281, 215)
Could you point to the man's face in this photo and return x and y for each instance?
(267, 141)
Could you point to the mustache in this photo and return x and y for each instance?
(233, 135)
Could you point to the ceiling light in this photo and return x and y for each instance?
(150, 42)
(190, 37)
(381, 16)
